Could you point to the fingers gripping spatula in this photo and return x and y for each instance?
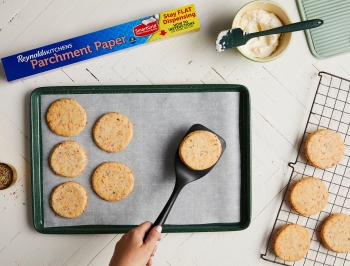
(237, 37)
(185, 175)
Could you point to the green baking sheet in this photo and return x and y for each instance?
(333, 37)
(38, 171)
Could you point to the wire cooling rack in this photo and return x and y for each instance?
(330, 110)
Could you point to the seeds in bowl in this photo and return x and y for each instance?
(6, 176)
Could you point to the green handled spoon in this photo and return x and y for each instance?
(236, 37)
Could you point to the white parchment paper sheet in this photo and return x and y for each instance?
(160, 121)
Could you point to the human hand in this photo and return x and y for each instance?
(131, 250)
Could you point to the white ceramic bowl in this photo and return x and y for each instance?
(271, 7)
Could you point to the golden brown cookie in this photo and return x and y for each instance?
(324, 148)
(68, 159)
(309, 196)
(112, 181)
(292, 242)
(200, 150)
(66, 117)
(335, 233)
(69, 200)
(112, 132)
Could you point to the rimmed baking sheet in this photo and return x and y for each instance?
(160, 116)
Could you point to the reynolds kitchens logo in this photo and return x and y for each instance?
(147, 27)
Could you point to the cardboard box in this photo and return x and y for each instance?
(147, 29)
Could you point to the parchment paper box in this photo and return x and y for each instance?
(123, 36)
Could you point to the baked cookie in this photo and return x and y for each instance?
(66, 117)
(112, 132)
(309, 196)
(69, 200)
(335, 233)
(200, 150)
(292, 242)
(68, 159)
(324, 148)
(112, 181)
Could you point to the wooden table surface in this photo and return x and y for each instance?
(281, 95)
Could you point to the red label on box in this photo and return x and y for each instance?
(143, 30)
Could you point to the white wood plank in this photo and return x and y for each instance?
(168, 245)
(89, 250)
(214, 249)
(138, 78)
(19, 23)
(105, 255)
(265, 155)
(17, 139)
(8, 9)
(190, 248)
(212, 77)
(274, 139)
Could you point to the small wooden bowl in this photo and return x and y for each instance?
(8, 176)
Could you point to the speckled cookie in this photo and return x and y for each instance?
(68, 159)
(69, 200)
(335, 233)
(112, 181)
(292, 242)
(309, 196)
(200, 150)
(324, 148)
(66, 117)
(112, 132)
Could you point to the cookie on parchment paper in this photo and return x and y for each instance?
(69, 200)
(112, 132)
(68, 159)
(324, 148)
(200, 150)
(292, 242)
(112, 181)
(309, 196)
(335, 233)
(66, 117)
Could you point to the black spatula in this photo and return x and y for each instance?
(236, 37)
(185, 175)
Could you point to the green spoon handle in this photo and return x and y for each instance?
(304, 25)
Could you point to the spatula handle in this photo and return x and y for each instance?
(167, 208)
(304, 25)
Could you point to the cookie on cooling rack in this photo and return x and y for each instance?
(112, 181)
(200, 150)
(324, 148)
(66, 117)
(112, 132)
(309, 196)
(292, 242)
(335, 233)
(69, 200)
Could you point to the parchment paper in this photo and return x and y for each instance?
(160, 121)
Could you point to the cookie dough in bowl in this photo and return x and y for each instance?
(259, 16)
